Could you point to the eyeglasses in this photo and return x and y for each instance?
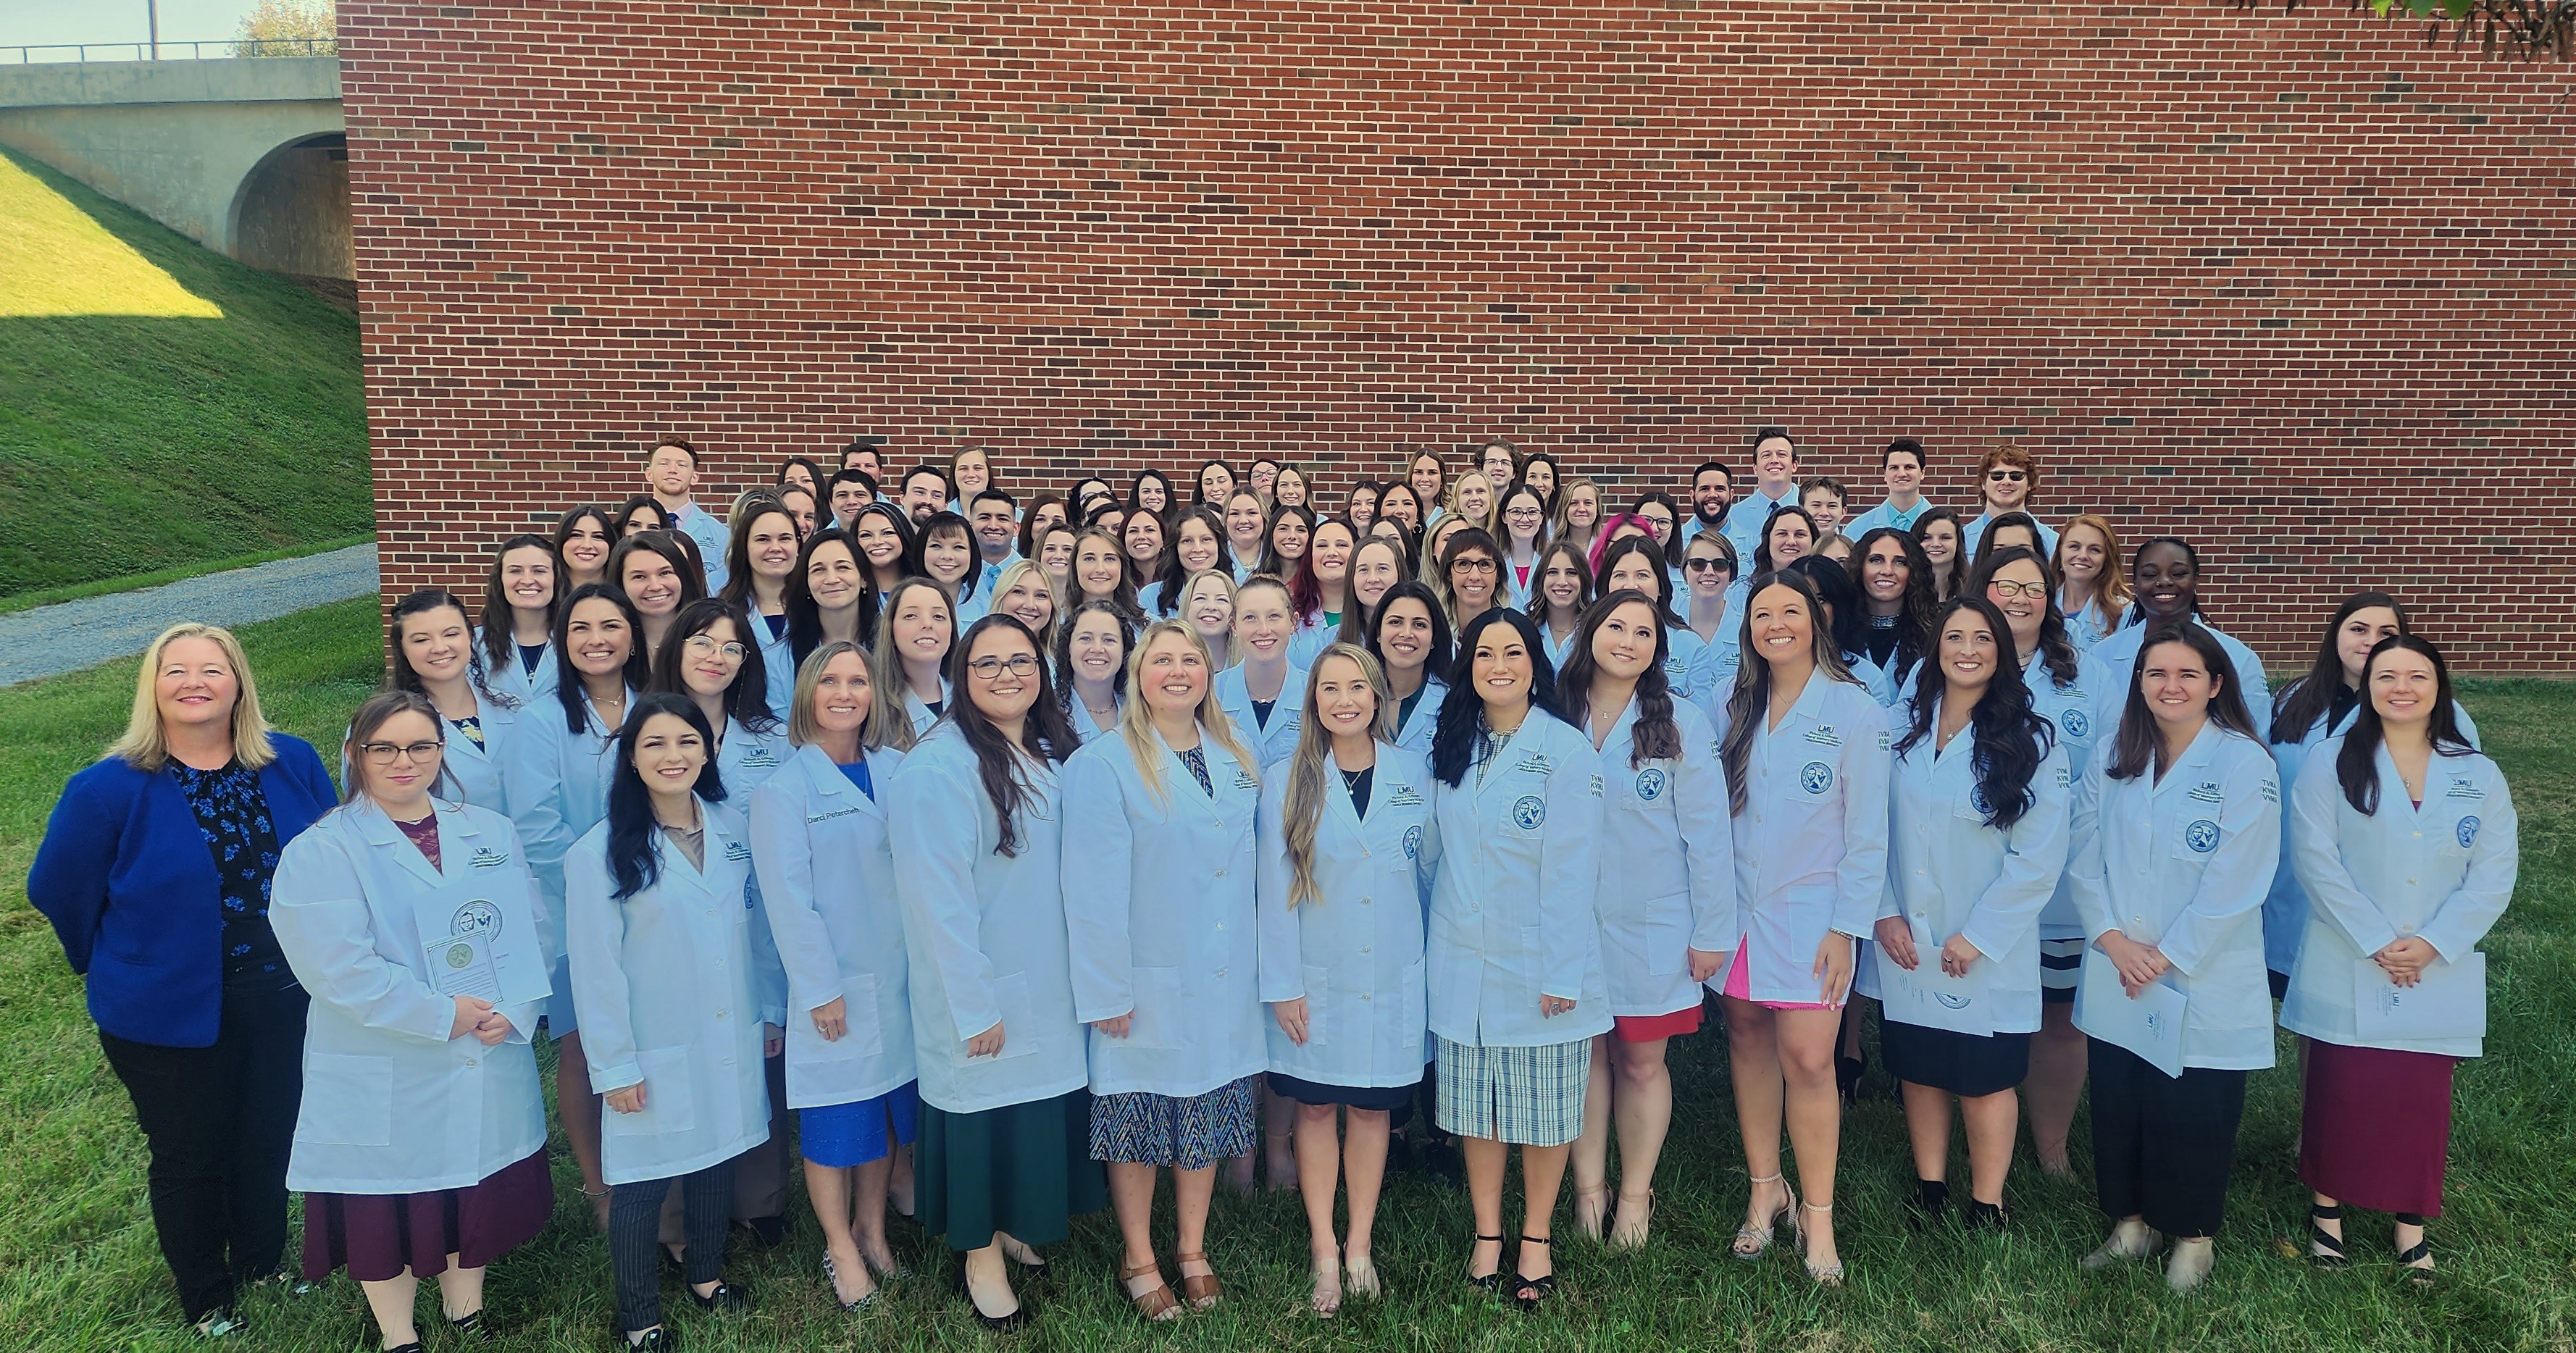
(1472, 566)
(387, 753)
(2006, 476)
(700, 643)
(991, 669)
(1521, 513)
(1705, 565)
(2005, 590)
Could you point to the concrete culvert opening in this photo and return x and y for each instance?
(292, 215)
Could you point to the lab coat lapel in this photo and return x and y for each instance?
(2204, 745)
(388, 840)
(1506, 761)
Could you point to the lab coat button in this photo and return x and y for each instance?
(1368, 949)
(471, 1062)
(1220, 972)
(1364, 995)
(720, 1014)
(1220, 873)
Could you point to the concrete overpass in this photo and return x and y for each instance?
(246, 155)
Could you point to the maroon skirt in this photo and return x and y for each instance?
(2377, 1127)
(378, 1235)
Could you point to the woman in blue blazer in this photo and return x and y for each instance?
(155, 871)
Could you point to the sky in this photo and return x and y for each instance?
(31, 22)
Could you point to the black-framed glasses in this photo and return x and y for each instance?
(1705, 565)
(387, 753)
(991, 669)
(2008, 590)
(1472, 566)
(2003, 476)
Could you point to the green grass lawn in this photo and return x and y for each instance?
(161, 406)
(78, 1267)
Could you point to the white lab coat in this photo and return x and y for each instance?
(984, 932)
(1085, 728)
(512, 678)
(826, 868)
(1515, 874)
(391, 1103)
(2108, 666)
(1355, 953)
(1948, 873)
(673, 985)
(1667, 865)
(1158, 898)
(2443, 872)
(1312, 637)
(2183, 864)
(1974, 529)
(2091, 625)
(2070, 709)
(919, 711)
(1415, 736)
(1713, 669)
(1811, 843)
(557, 782)
(2285, 910)
(1278, 738)
(746, 759)
(1553, 647)
(777, 665)
(477, 770)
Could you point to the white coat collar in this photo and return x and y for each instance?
(1508, 757)
(455, 828)
(2203, 749)
(828, 781)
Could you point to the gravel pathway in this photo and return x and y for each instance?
(72, 635)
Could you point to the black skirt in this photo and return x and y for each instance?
(1945, 1059)
(1381, 1098)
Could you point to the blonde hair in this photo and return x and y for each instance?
(1190, 585)
(1136, 722)
(2110, 586)
(1010, 578)
(1303, 812)
(1493, 499)
(146, 746)
(802, 730)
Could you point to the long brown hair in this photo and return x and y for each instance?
(1045, 736)
(1302, 813)
(1750, 706)
(2137, 745)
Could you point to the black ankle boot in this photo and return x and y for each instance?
(1931, 1200)
(1983, 1216)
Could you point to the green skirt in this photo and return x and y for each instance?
(1025, 1170)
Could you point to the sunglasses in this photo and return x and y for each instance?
(2007, 476)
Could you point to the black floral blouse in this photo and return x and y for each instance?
(232, 812)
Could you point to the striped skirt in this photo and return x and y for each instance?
(1524, 1096)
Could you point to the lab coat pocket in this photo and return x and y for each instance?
(669, 1104)
(1019, 1024)
(1158, 1008)
(1412, 1004)
(1320, 1000)
(1661, 937)
(865, 1036)
(352, 1103)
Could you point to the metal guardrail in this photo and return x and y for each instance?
(69, 52)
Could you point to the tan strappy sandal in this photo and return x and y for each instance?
(1202, 1290)
(1156, 1303)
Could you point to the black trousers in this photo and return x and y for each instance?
(220, 1122)
(634, 1226)
(2162, 1145)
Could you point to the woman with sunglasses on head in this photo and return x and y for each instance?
(517, 634)
(1978, 844)
(977, 827)
(420, 1146)
(1666, 902)
(556, 773)
(825, 865)
(1937, 531)
(1807, 770)
(1343, 820)
(2376, 1116)
(1319, 589)
(2091, 592)
(2311, 707)
(1158, 889)
(433, 655)
(1091, 667)
(583, 539)
(2166, 576)
(675, 978)
(760, 563)
(2177, 831)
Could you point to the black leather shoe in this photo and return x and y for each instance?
(728, 1297)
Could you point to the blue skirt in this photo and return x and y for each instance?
(837, 1136)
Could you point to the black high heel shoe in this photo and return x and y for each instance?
(1930, 1202)
(728, 1297)
(1527, 1292)
(1490, 1282)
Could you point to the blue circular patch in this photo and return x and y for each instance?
(2077, 722)
(2467, 832)
(1413, 843)
(2201, 836)
(1529, 811)
(1650, 784)
(483, 916)
(1977, 799)
(1816, 777)
(1952, 999)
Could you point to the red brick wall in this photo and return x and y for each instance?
(2296, 286)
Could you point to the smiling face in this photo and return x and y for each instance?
(438, 644)
(793, 473)
(1402, 504)
(645, 517)
(1289, 489)
(1262, 622)
(669, 753)
(1055, 555)
(772, 540)
(1216, 482)
(1704, 568)
(1374, 568)
(1209, 607)
(1969, 653)
(1826, 506)
(1904, 474)
(1345, 703)
(1099, 647)
(1004, 675)
(1561, 583)
(1288, 538)
(585, 549)
(1028, 600)
(1097, 569)
(2020, 591)
(1782, 626)
(651, 583)
(1144, 537)
(2177, 684)
(1434, 549)
(832, 577)
(1047, 517)
(2167, 582)
(923, 494)
(1153, 495)
(1194, 545)
(1582, 510)
(1774, 461)
(1658, 519)
(1472, 575)
(671, 472)
(1496, 461)
(920, 628)
(1884, 571)
(1172, 675)
(1404, 634)
(1624, 647)
(995, 532)
(848, 498)
(2005, 487)
(843, 695)
(1329, 552)
(1244, 525)
(196, 686)
(945, 555)
(1711, 494)
(973, 472)
(2403, 687)
(1635, 571)
(2082, 554)
(1523, 515)
(1789, 538)
(800, 510)
(1424, 476)
(1475, 498)
(597, 638)
(528, 578)
(711, 658)
(1940, 542)
(1363, 507)
(2360, 632)
(1541, 477)
(1501, 669)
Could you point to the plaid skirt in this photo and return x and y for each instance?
(1524, 1096)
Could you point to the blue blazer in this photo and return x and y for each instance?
(125, 876)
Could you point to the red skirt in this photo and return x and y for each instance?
(2377, 1127)
(378, 1235)
(1648, 1028)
